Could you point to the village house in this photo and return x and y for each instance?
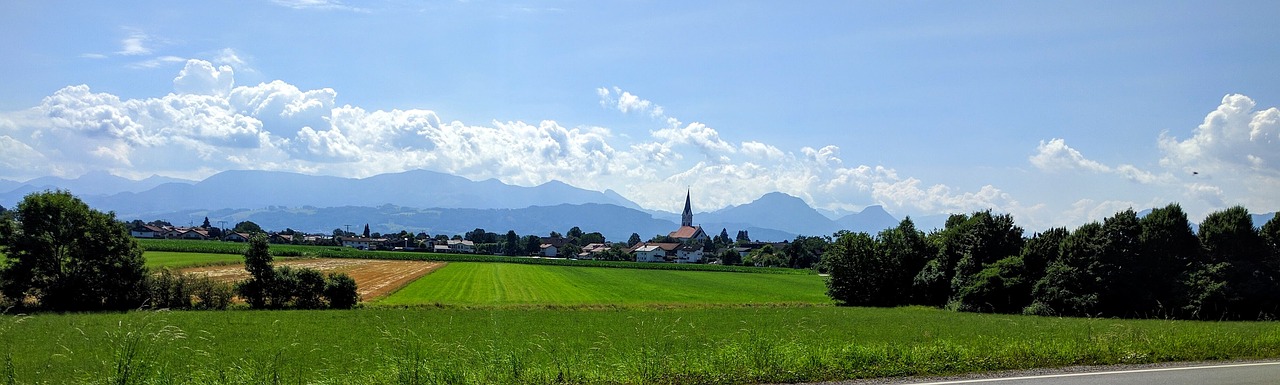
(147, 231)
(592, 250)
(360, 242)
(237, 237)
(462, 246)
(654, 252)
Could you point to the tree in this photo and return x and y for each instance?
(1169, 250)
(804, 252)
(70, 257)
(1228, 237)
(341, 291)
(1068, 287)
(574, 233)
(635, 238)
(257, 261)
(730, 257)
(476, 235)
(743, 237)
(247, 227)
(983, 239)
(908, 248)
(592, 237)
(513, 246)
(206, 223)
(858, 273)
(532, 244)
(366, 230)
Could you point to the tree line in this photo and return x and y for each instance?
(58, 254)
(1153, 266)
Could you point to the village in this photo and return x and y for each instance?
(687, 244)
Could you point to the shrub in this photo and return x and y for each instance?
(341, 291)
(169, 290)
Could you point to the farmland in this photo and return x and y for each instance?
(616, 345)
(472, 283)
(375, 278)
(177, 260)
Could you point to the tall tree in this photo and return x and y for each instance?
(574, 233)
(513, 246)
(257, 261)
(1169, 252)
(858, 273)
(984, 239)
(633, 240)
(1118, 271)
(366, 230)
(69, 256)
(1228, 237)
(1068, 287)
(205, 224)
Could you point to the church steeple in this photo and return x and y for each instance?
(686, 219)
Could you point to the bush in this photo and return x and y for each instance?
(341, 291)
(169, 290)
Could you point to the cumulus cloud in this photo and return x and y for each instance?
(1056, 155)
(627, 102)
(1233, 138)
(210, 123)
(201, 78)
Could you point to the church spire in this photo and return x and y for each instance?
(686, 219)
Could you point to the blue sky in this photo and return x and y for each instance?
(1058, 113)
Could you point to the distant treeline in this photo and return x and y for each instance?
(1125, 266)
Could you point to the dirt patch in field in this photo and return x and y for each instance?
(375, 278)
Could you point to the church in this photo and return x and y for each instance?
(687, 231)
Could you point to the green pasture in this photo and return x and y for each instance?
(177, 260)
(496, 345)
(474, 283)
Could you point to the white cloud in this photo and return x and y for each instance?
(1233, 138)
(135, 44)
(627, 102)
(210, 124)
(201, 78)
(1056, 155)
(327, 5)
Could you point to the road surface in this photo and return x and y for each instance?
(1234, 373)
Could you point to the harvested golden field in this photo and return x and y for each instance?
(376, 278)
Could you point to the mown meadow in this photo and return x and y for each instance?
(622, 345)
(474, 283)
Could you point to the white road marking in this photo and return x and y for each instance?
(1097, 373)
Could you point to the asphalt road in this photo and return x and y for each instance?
(1235, 373)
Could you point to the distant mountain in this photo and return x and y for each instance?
(870, 220)
(420, 188)
(615, 222)
(1261, 219)
(92, 183)
(772, 211)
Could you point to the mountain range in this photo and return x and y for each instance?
(438, 203)
(428, 201)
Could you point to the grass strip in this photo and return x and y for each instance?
(731, 345)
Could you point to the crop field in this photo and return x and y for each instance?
(374, 278)
(474, 283)
(734, 345)
(176, 260)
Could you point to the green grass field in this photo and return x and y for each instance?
(176, 260)
(475, 283)
(599, 346)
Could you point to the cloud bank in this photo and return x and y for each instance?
(210, 124)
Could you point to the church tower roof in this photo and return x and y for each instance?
(686, 219)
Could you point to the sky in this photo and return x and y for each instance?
(1058, 113)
